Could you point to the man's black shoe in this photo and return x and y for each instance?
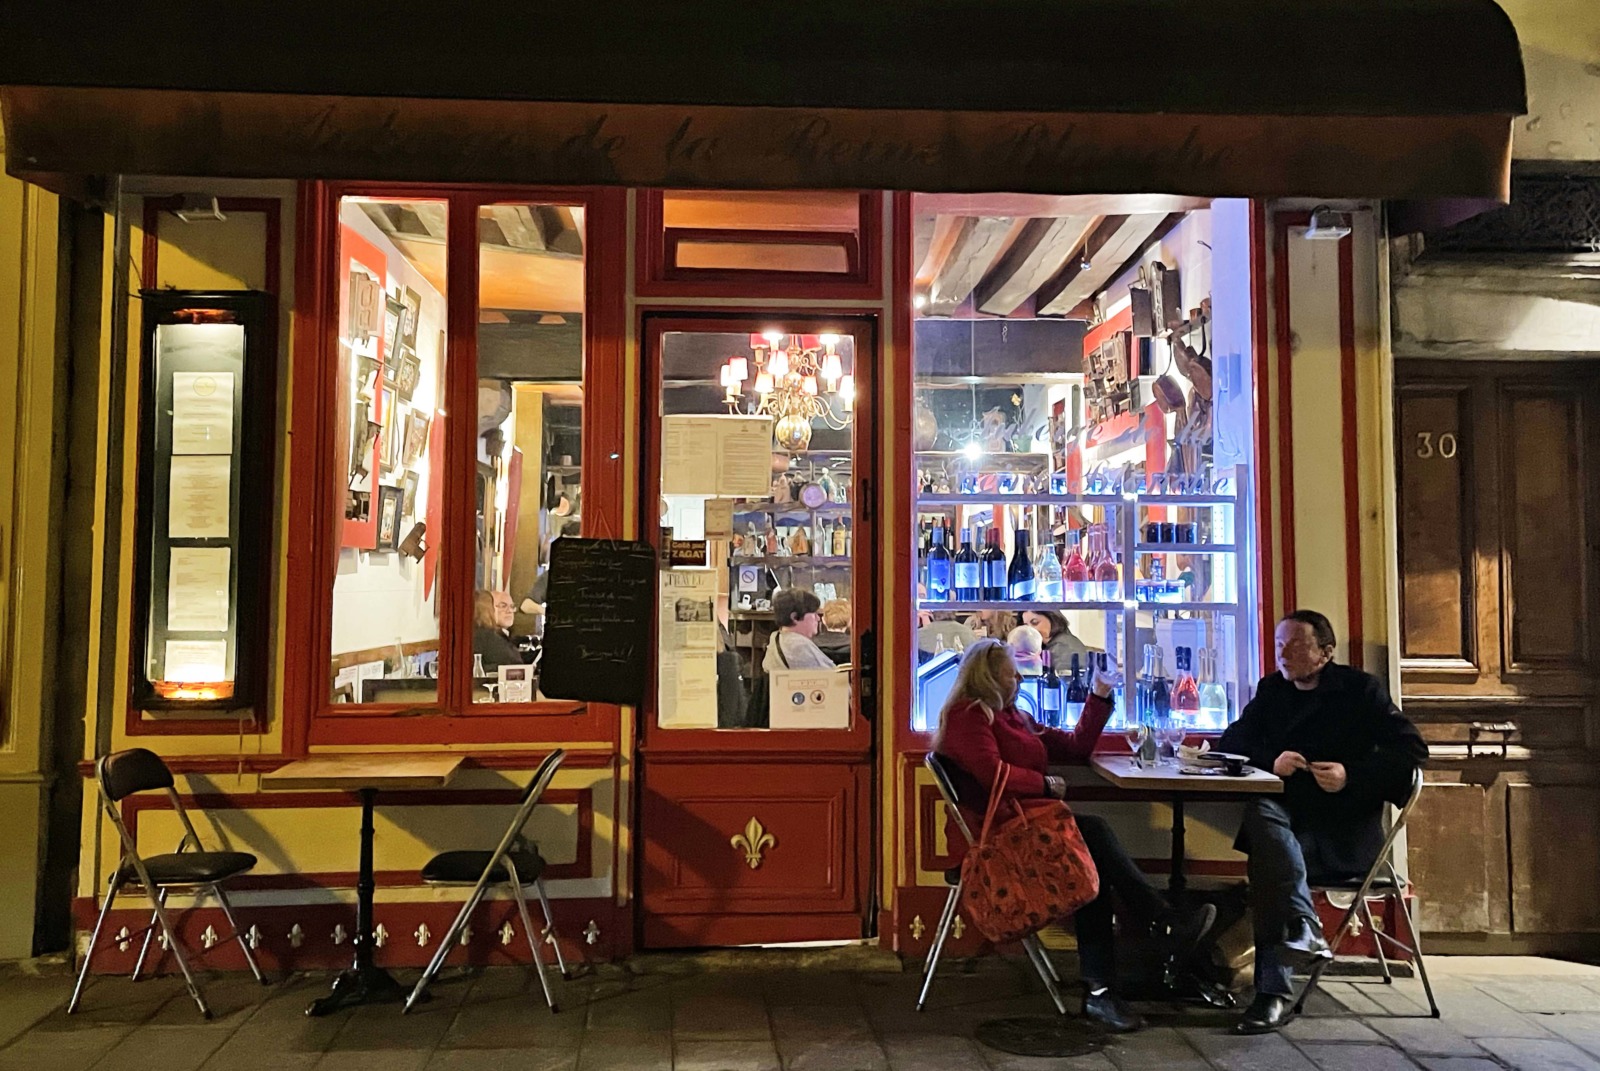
(1264, 1015)
(1180, 932)
(1305, 944)
(1105, 1008)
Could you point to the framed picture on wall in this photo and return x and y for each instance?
(408, 503)
(393, 439)
(389, 517)
(394, 337)
(413, 303)
(408, 374)
(416, 437)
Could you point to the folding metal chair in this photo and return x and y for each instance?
(952, 877)
(516, 863)
(121, 774)
(1393, 890)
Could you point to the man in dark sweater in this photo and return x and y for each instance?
(1343, 749)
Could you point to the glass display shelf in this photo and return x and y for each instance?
(817, 560)
(934, 606)
(791, 507)
(1185, 548)
(1002, 499)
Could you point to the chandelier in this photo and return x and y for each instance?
(795, 382)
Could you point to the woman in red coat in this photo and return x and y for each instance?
(979, 728)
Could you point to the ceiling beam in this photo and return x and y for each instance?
(1108, 246)
(1038, 253)
(979, 241)
(516, 222)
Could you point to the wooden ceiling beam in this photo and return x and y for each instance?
(1109, 245)
(1040, 249)
(978, 244)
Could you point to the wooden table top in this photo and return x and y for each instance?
(378, 770)
(1121, 771)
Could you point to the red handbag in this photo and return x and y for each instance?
(1031, 870)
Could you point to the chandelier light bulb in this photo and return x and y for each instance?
(739, 368)
(830, 341)
(779, 365)
(847, 391)
(773, 337)
(809, 385)
(832, 368)
(764, 383)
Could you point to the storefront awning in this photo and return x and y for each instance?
(1372, 98)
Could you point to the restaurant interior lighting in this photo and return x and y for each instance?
(1328, 224)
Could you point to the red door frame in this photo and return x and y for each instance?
(309, 716)
(750, 752)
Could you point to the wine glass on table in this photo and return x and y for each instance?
(1135, 733)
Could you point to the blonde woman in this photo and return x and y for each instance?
(980, 727)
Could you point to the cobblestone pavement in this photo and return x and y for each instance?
(1523, 1014)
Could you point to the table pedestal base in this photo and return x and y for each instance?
(358, 985)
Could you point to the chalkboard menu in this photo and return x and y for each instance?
(597, 620)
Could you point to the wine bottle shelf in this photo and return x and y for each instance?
(1020, 500)
(1185, 548)
(792, 559)
(1215, 607)
(791, 507)
(934, 606)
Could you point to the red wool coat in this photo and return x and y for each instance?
(978, 746)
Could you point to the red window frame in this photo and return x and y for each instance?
(311, 718)
(659, 276)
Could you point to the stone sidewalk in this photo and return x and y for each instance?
(1521, 1014)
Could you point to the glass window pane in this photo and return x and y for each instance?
(390, 384)
(528, 488)
(757, 435)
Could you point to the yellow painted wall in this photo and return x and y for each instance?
(28, 325)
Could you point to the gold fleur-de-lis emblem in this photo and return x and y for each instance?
(958, 927)
(918, 928)
(753, 841)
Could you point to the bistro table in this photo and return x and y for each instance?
(1166, 783)
(365, 982)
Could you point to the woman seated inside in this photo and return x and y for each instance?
(799, 614)
(1058, 638)
(995, 624)
(834, 636)
(980, 728)
(493, 614)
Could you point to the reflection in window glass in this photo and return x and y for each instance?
(390, 383)
(528, 487)
(756, 461)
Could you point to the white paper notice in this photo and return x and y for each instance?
(202, 412)
(810, 699)
(717, 455)
(687, 671)
(719, 518)
(197, 589)
(196, 661)
(197, 496)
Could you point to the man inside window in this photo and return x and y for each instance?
(1343, 749)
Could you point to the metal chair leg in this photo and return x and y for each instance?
(445, 944)
(550, 926)
(144, 946)
(1041, 963)
(533, 941)
(1339, 936)
(946, 916)
(175, 946)
(945, 922)
(1377, 941)
(1416, 951)
(238, 934)
(94, 942)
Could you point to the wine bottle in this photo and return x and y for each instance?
(1142, 686)
(1185, 693)
(1155, 706)
(1075, 573)
(1047, 574)
(1050, 698)
(1077, 695)
(1213, 697)
(993, 565)
(1107, 575)
(968, 572)
(939, 566)
(1020, 584)
(1160, 689)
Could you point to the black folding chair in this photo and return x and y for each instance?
(952, 877)
(1383, 879)
(190, 867)
(516, 863)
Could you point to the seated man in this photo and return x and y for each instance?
(1343, 749)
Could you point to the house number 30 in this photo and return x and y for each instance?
(1429, 445)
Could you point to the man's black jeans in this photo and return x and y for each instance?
(1279, 892)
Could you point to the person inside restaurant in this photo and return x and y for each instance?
(834, 635)
(980, 728)
(798, 613)
(1058, 637)
(493, 615)
(1343, 749)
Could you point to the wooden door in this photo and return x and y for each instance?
(1498, 533)
(757, 834)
